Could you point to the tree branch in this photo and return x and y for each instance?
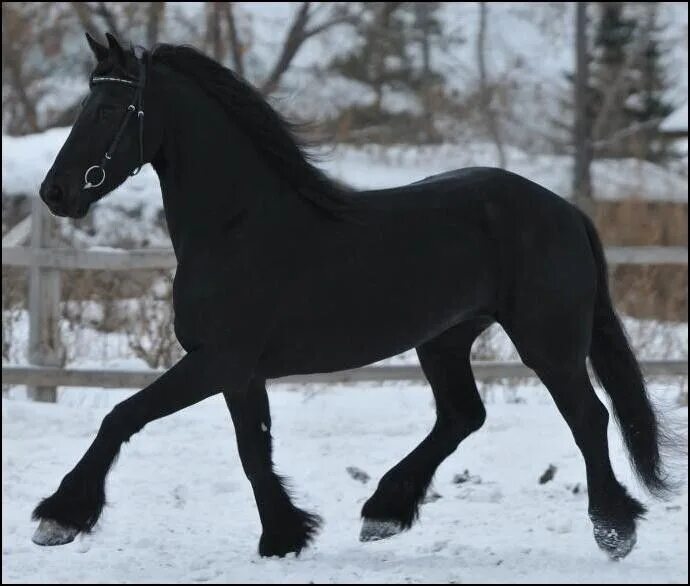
(293, 41)
(318, 29)
(299, 32)
(582, 129)
(213, 37)
(16, 35)
(236, 48)
(626, 133)
(83, 13)
(485, 90)
(109, 18)
(156, 12)
(615, 90)
(20, 88)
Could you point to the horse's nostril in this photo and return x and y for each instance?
(53, 195)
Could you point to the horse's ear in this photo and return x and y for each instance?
(100, 51)
(115, 48)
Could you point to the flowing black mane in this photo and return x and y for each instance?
(276, 138)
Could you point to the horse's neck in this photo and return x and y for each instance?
(209, 172)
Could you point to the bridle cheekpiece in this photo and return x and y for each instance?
(137, 106)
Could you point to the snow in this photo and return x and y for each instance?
(181, 509)
(677, 121)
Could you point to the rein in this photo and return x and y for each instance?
(137, 106)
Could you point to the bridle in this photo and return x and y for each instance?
(137, 106)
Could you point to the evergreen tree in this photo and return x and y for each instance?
(627, 81)
(611, 75)
(393, 54)
(626, 94)
(648, 106)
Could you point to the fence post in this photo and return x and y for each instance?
(44, 302)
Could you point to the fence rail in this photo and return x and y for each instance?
(133, 379)
(164, 258)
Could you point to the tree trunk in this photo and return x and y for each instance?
(485, 90)
(582, 183)
(103, 10)
(83, 13)
(422, 17)
(213, 37)
(13, 64)
(236, 48)
(153, 26)
(297, 34)
(293, 41)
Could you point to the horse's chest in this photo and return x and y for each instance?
(206, 305)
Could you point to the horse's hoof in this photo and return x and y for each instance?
(617, 542)
(294, 534)
(50, 532)
(375, 529)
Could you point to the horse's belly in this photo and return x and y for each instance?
(367, 329)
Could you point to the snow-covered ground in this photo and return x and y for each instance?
(181, 510)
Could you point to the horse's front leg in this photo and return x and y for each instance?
(286, 528)
(77, 503)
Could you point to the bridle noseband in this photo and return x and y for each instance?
(137, 106)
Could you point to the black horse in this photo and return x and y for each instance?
(284, 271)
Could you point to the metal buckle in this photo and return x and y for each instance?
(87, 183)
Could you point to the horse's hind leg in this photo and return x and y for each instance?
(612, 510)
(286, 528)
(556, 350)
(459, 411)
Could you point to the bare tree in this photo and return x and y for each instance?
(156, 12)
(582, 182)
(429, 92)
(237, 48)
(485, 88)
(85, 16)
(214, 41)
(103, 10)
(119, 18)
(18, 97)
(301, 29)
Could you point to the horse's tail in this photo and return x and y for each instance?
(619, 373)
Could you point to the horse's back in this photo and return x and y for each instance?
(462, 174)
(465, 187)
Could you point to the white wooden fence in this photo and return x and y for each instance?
(44, 264)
